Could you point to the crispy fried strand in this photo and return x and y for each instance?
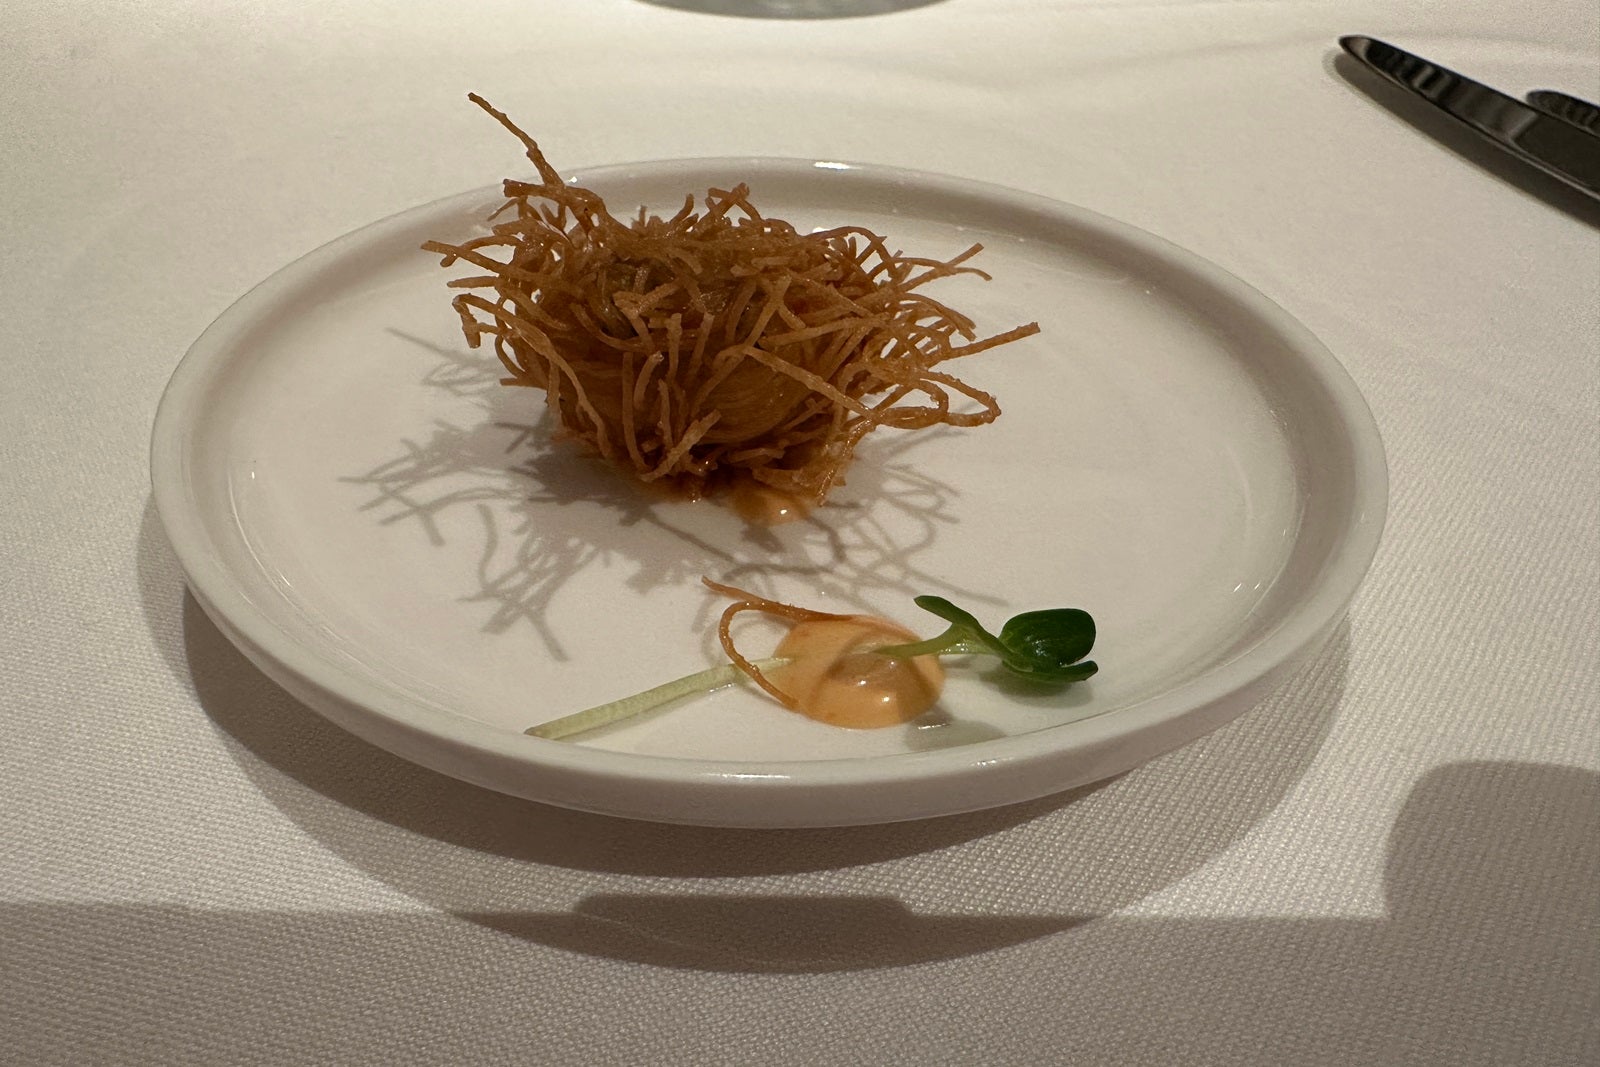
(743, 601)
(715, 348)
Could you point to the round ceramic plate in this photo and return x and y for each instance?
(391, 535)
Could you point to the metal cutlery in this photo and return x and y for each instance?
(1555, 133)
(1562, 106)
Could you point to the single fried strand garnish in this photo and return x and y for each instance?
(717, 348)
(744, 600)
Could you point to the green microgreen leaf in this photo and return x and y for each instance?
(1048, 644)
(1045, 645)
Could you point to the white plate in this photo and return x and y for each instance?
(371, 519)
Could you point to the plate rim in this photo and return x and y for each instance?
(706, 791)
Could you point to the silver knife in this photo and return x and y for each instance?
(1561, 149)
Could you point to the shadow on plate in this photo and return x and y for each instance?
(1484, 955)
(793, 9)
(547, 511)
(1463, 141)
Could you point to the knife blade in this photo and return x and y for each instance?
(1561, 149)
(1562, 106)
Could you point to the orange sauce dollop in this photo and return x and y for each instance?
(833, 677)
(762, 505)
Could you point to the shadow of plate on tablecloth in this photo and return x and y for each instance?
(773, 900)
(1484, 956)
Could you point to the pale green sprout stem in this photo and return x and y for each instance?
(706, 681)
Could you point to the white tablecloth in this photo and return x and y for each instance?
(1394, 860)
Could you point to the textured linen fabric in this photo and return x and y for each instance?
(1395, 859)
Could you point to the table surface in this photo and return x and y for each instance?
(1394, 859)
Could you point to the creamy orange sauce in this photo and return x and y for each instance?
(763, 505)
(834, 678)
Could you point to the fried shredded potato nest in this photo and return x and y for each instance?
(714, 349)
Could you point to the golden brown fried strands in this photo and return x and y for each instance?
(719, 349)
